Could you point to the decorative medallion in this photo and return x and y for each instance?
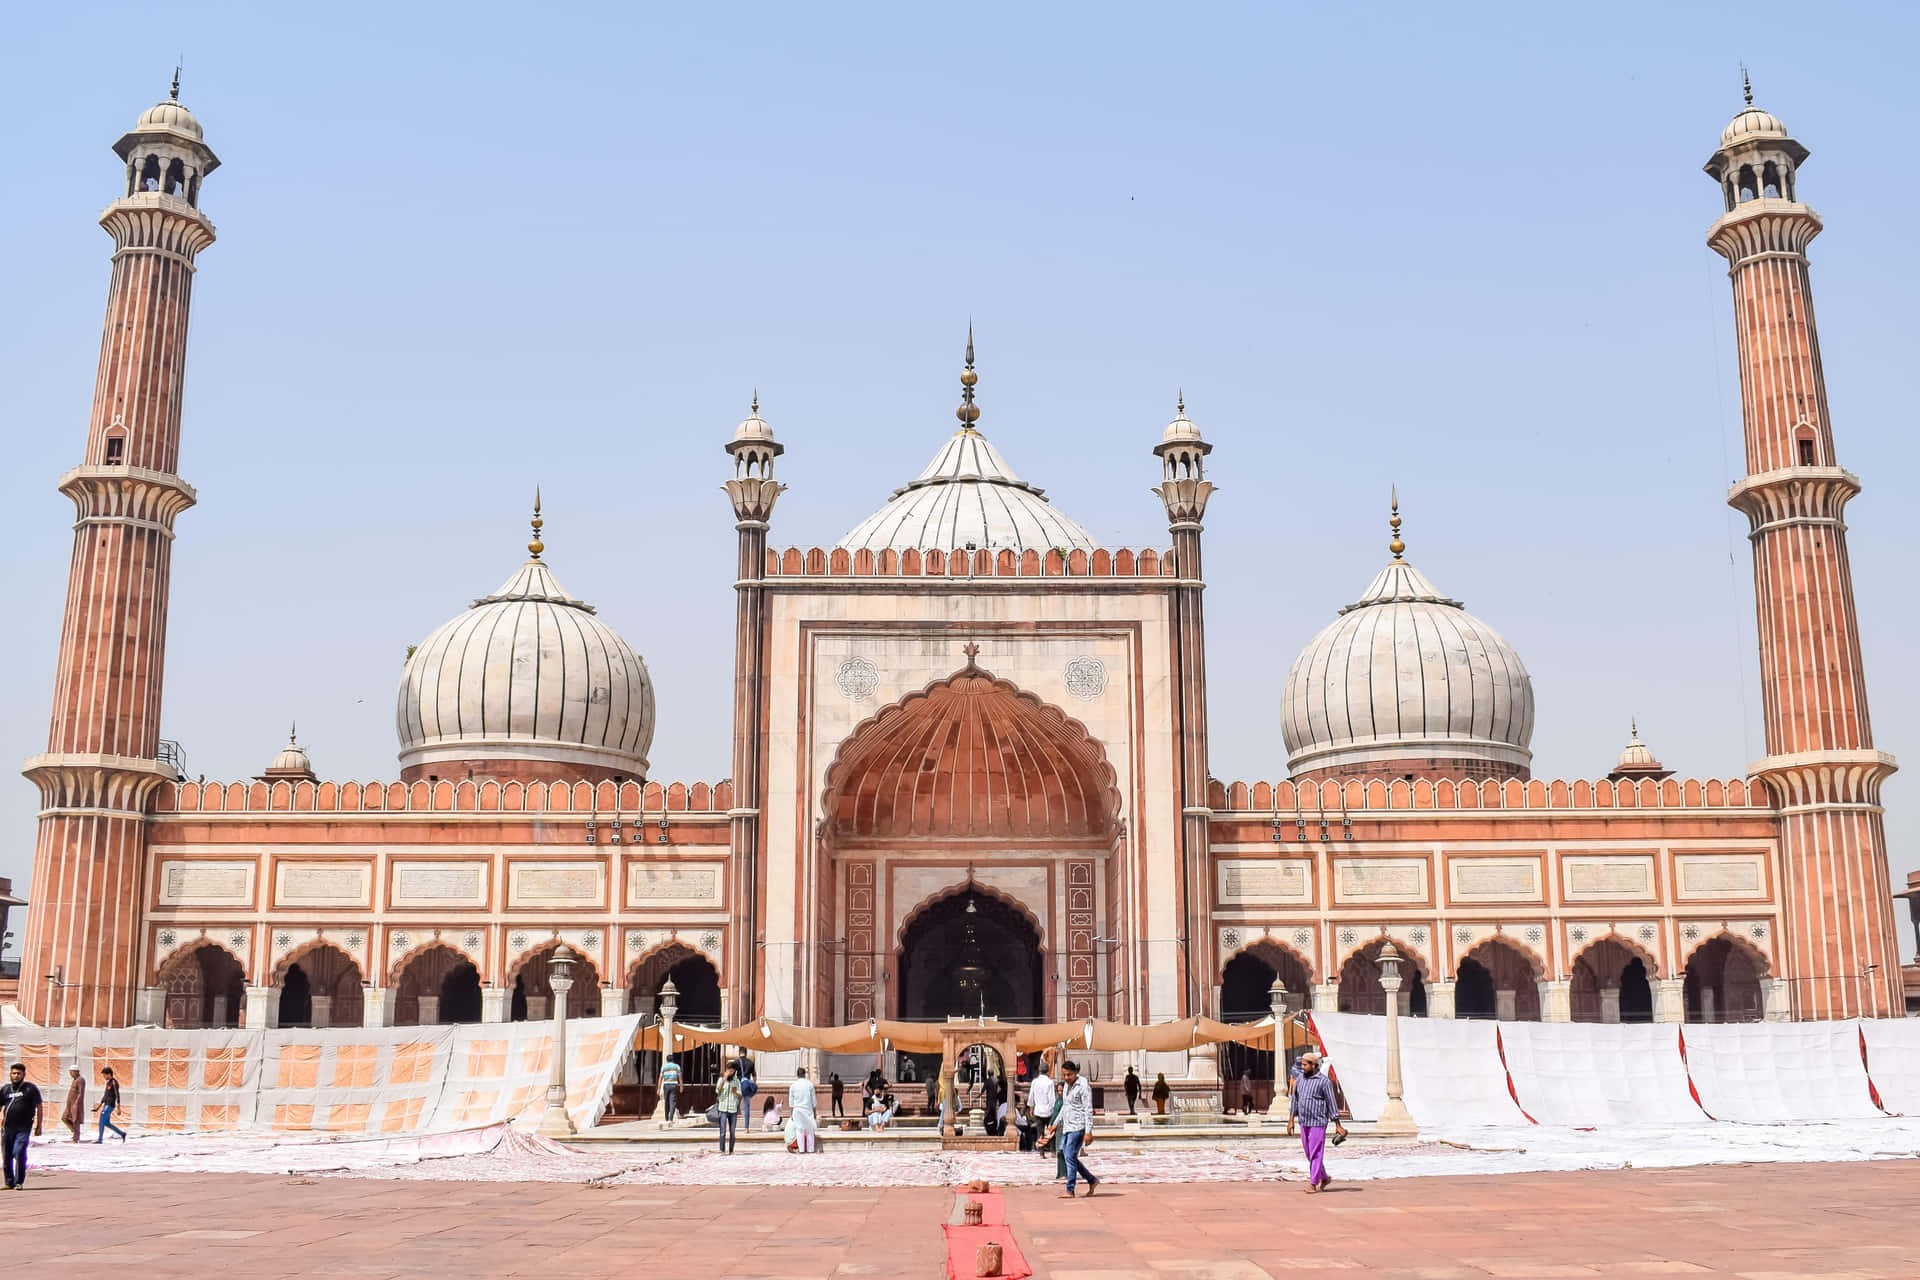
(1303, 938)
(709, 941)
(1578, 933)
(354, 941)
(282, 939)
(591, 942)
(1758, 929)
(166, 937)
(1534, 934)
(471, 941)
(1419, 936)
(1230, 939)
(1691, 932)
(518, 942)
(636, 942)
(1648, 933)
(1086, 677)
(857, 679)
(238, 939)
(1347, 937)
(1463, 936)
(398, 942)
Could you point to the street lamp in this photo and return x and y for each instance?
(1394, 1120)
(555, 1122)
(1279, 1108)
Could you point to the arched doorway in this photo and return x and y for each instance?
(532, 997)
(205, 988)
(1496, 980)
(696, 984)
(1611, 984)
(1723, 983)
(1360, 989)
(970, 954)
(438, 985)
(320, 987)
(1245, 987)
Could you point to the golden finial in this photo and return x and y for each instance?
(968, 412)
(756, 402)
(1396, 546)
(535, 547)
(293, 733)
(1180, 403)
(1746, 83)
(173, 94)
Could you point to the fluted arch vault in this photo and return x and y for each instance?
(971, 756)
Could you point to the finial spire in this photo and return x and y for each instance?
(1396, 546)
(756, 402)
(1633, 726)
(968, 412)
(173, 94)
(535, 547)
(1180, 403)
(293, 733)
(1746, 83)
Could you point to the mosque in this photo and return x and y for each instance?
(969, 764)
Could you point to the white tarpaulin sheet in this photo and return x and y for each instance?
(1893, 1060)
(1450, 1070)
(1773, 1072)
(1581, 1073)
(387, 1080)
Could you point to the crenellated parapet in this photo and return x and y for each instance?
(838, 562)
(1355, 795)
(465, 796)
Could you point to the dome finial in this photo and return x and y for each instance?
(536, 546)
(968, 412)
(755, 409)
(1396, 546)
(173, 94)
(1746, 83)
(293, 732)
(1180, 402)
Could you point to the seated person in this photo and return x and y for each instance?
(882, 1114)
(1028, 1127)
(770, 1115)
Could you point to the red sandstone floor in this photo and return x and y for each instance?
(1843, 1222)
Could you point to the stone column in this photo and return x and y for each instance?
(1669, 1000)
(1556, 1001)
(322, 1012)
(613, 1002)
(495, 1004)
(1776, 999)
(263, 1007)
(555, 1122)
(1326, 998)
(220, 1013)
(150, 1006)
(1203, 1064)
(1707, 1001)
(1394, 1119)
(429, 1011)
(1610, 1002)
(536, 1009)
(1277, 1009)
(1440, 999)
(1505, 1005)
(376, 1006)
(669, 1005)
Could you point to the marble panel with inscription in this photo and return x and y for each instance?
(1609, 879)
(565, 884)
(673, 884)
(1720, 876)
(1265, 881)
(322, 884)
(439, 884)
(1494, 879)
(206, 884)
(1380, 880)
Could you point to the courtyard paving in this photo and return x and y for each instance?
(1845, 1222)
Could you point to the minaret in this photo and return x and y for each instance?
(1821, 768)
(1185, 489)
(80, 959)
(753, 491)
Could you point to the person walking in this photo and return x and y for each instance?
(1246, 1091)
(20, 1116)
(1314, 1105)
(1132, 1086)
(109, 1103)
(1075, 1127)
(743, 1066)
(74, 1114)
(670, 1087)
(1161, 1092)
(839, 1089)
(727, 1104)
(1043, 1098)
(803, 1127)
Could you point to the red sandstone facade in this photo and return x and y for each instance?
(935, 739)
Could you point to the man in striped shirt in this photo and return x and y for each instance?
(1075, 1126)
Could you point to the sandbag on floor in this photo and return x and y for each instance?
(1579, 1073)
(1779, 1072)
(1450, 1070)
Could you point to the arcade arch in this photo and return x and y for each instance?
(205, 987)
(437, 985)
(532, 988)
(1612, 982)
(320, 986)
(1723, 981)
(1497, 979)
(1360, 989)
(969, 953)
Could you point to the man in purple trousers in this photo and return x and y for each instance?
(1317, 1110)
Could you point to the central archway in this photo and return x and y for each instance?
(969, 954)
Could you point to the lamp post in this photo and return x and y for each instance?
(669, 1005)
(555, 1122)
(1279, 1108)
(1394, 1120)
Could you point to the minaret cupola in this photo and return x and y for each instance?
(165, 151)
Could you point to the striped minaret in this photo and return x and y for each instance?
(1821, 769)
(81, 955)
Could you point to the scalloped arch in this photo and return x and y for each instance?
(971, 755)
(1759, 957)
(1535, 961)
(306, 949)
(1639, 949)
(519, 962)
(953, 891)
(1253, 947)
(1407, 953)
(192, 945)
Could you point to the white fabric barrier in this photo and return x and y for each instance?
(1580, 1073)
(389, 1080)
(1450, 1071)
(1893, 1061)
(1774, 1072)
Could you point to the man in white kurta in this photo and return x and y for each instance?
(802, 1127)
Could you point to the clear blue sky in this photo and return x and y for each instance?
(465, 248)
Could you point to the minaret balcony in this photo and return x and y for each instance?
(1794, 496)
(131, 495)
(1765, 227)
(1825, 779)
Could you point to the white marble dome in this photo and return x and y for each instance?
(527, 674)
(1752, 123)
(1406, 672)
(170, 116)
(968, 494)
